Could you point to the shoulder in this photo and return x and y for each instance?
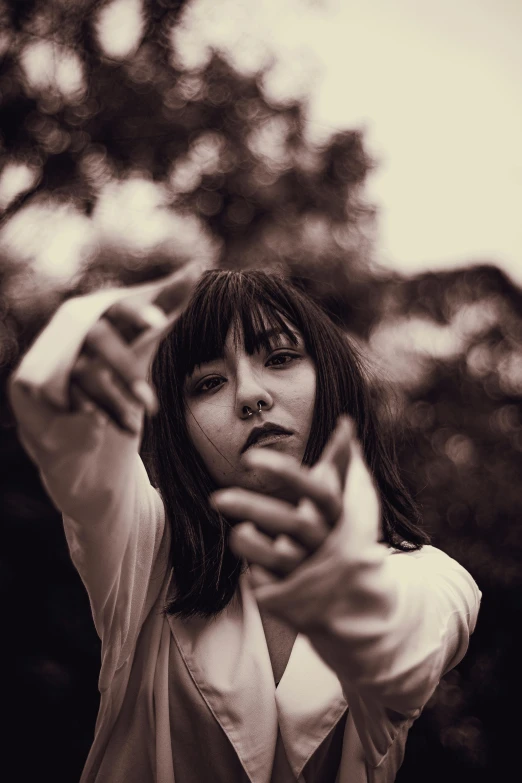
(427, 552)
(433, 568)
(428, 558)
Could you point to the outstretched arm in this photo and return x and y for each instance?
(79, 396)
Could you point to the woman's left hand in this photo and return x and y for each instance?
(280, 535)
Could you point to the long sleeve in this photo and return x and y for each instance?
(113, 518)
(389, 623)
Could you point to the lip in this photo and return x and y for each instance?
(269, 428)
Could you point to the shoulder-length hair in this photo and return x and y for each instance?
(206, 572)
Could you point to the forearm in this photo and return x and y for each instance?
(91, 470)
(395, 639)
(85, 463)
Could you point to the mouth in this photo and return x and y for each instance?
(266, 436)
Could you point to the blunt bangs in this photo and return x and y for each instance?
(254, 306)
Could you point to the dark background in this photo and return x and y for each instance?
(457, 409)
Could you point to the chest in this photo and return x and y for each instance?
(280, 639)
(221, 676)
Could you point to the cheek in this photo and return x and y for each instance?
(308, 384)
(305, 389)
(201, 428)
(210, 436)
(298, 398)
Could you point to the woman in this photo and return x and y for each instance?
(303, 645)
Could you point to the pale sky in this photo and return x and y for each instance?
(437, 86)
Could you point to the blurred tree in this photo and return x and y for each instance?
(463, 458)
(148, 164)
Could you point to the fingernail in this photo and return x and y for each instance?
(145, 394)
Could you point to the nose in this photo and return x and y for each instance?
(251, 394)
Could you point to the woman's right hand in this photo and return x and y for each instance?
(110, 372)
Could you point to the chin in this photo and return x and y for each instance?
(255, 481)
(270, 485)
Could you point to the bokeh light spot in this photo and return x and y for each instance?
(119, 27)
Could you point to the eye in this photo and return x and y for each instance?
(208, 384)
(283, 358)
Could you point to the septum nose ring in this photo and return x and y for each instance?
(259, 406)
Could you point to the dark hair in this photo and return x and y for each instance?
(206, 572)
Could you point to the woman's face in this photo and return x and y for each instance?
(219, 393)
